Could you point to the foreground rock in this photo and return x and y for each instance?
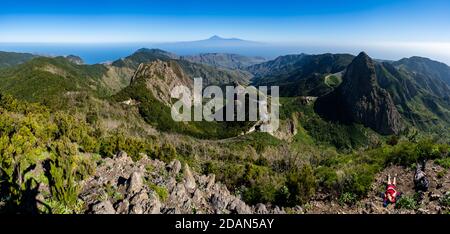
(121, 186)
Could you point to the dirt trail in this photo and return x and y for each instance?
(373, 203)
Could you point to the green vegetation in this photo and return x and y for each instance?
(159, 115)
(57, 149)
(406, 202)
(48, 80)
(8, 59)
(342, 137)
(333, 80)
(347, 198)
(161, 191)
(443, 162)
(57, 144)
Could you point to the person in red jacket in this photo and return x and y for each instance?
(391, 195)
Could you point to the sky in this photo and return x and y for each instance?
(406, 26)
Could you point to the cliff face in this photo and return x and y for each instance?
(359, 99)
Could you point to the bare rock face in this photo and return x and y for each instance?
(359, 99)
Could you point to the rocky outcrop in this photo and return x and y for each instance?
(121, 186)
(359, 99)
(160, 78)
(75, 59)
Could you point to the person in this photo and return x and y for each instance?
(391, 195)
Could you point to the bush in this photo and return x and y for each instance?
(62, 174)
(443, 162)
(406, 202)
(327, 178)
(259, 193)
(445, 200)
(301, 185)
(347, 198)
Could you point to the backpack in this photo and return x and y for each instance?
(421, 182)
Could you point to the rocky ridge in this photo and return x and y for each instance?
(121, 186)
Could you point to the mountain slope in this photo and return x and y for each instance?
(301, 75)
(49, 79)
(426, 68)
(232, 61)
(150, 89)
(423, 100)
(211, 75)
(8, 59)
(359, 99)
(143, 55)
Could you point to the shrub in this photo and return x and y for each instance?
(406, 202)
(327, 178)
(62, 174)
(347, 198)
(259, 193)
(443, 162)
(445, 200)
(301, 185)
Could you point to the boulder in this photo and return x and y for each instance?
(261, 209)
(138, 203)
(135, 183)
(189, 180)
(175, 167)
(104, 207)
(154, 205)
(123, 207)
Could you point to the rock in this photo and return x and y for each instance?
(359, 99)
(219, 202)
(277, 210)
(211, 181)
(154, 204)
(261, 209)
(138, 203)
(239, 207)
(298, 210)
(438, 209)
(189, 180)
(104, 207)
(423, 211)
(135, 183)
(434, 196)
(175, 167)
(121, 155)
(198, 197)
(123, 207)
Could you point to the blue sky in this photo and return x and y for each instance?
(407, 24)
